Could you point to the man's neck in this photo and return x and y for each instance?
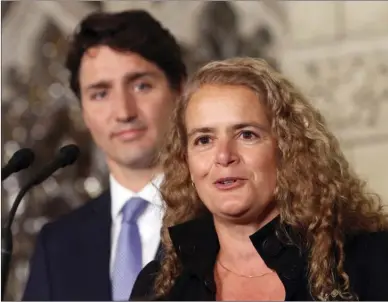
(134, 180)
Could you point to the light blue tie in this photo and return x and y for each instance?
(128, 261)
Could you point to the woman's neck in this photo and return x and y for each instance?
(236, 249)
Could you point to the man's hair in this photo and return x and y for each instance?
(133, 30)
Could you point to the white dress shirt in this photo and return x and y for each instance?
(149, 222)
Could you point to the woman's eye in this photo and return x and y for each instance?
(203, 140)
(248, 135)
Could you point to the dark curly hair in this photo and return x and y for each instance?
(323, 204)
(133, 30)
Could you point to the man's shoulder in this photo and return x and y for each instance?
(70, 222)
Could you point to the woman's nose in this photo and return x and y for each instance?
(226, 153)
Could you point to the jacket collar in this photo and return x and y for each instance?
(196, 244)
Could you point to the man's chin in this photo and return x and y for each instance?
(145, 160)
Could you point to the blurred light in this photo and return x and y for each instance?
(92, 186)
(66, 141)
(10, 201)
(21, 270)
(19, 134)
(38, 223)
(19, 106)
(50, 186)
(63, 74)
(34, 225)
(38, 132)
(54, 69)
(10, 148)
(56, 90)
(49, 50)
(12, 184)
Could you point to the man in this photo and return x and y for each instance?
(127, 71)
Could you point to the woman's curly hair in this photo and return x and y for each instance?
(318, 195)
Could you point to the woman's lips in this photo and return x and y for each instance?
(229, 183)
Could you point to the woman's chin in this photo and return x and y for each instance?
(233, 210)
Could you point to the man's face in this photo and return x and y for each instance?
(126, 103)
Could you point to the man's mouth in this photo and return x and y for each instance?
(128, 133)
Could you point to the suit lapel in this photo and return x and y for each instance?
(95, 242)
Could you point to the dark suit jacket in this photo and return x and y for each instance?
(71, 258)
(196, 245)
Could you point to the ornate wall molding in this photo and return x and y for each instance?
(185, 24)
(21, 37)
(348, 82)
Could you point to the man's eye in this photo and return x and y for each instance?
(98, 95)
(142, 87)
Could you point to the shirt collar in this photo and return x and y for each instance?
(120, 194)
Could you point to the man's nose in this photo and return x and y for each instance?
(125, 108)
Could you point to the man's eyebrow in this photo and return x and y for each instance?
(102, 84)
(133, 76)
(129, 77)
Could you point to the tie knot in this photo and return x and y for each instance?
(133, 208)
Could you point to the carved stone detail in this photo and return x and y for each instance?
(349, 88)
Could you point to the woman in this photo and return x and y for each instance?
(261, 203)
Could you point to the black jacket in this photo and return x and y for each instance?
(71, 258)
(197, 245)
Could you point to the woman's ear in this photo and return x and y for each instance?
(192, 181)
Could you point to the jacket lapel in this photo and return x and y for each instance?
(94, 251)
(94, 240)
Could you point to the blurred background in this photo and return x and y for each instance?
(335, 51)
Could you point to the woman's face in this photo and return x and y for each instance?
(231, 152)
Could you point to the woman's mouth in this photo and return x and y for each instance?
(228, 183)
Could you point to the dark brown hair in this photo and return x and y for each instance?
(134, 30)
